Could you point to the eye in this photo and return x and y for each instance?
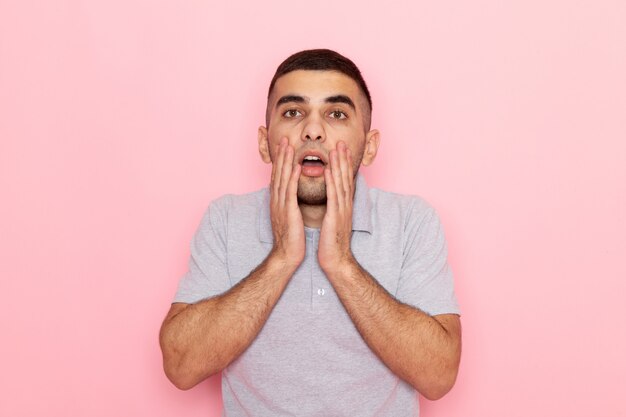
(338, 114)
(292, 113)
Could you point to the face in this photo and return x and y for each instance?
(315, 110)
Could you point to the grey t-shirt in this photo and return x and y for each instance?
(309, 359)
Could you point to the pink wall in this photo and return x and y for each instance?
(121, 120)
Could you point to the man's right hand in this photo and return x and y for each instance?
(285, 215)
(201, 339)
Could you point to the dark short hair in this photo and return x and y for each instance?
(321, 60)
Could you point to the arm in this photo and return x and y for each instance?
(423, 350)
(198, 340)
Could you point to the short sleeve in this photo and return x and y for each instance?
(426, 278)
(207, 275)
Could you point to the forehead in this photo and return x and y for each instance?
(315, 85)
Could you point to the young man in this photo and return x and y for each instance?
(317, 296)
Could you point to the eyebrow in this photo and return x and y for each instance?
(341, 99)
(291, 99)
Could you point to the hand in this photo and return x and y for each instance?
(285, 215)
(334, 245)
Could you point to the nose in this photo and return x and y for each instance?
(313, 131)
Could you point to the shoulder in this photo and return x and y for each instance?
(406, 208)
(229, 202)
(234, 206)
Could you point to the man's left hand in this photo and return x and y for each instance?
(334, 245)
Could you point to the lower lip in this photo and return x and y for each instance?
(313, 171)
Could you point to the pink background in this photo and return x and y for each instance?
(121, 120)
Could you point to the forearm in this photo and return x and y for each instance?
(202, 339)
(414, 345)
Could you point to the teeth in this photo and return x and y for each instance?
(311, 158)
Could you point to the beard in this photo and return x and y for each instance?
(312, 190)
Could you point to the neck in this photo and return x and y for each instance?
(312, 216)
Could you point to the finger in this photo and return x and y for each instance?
(350, 165)
(336, 173)
(350, 174)
(273, 171)
(331, 191)
(292, 188)
(343, 164)
(277, 168)
(285, 173)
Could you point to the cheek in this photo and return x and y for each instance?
(357, 153)
(276, 133)
(357, 157)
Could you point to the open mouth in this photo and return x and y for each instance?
(312, 161)
(313, 165)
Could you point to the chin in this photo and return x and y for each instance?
(312, 194)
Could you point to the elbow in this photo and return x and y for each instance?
(439, 379)
(181, 380)
(438, 386)
(183, 374)
(178, 366)
(175, 371)
(434, 393)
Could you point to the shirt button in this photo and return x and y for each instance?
(320, 291)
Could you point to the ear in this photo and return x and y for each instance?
(264, 146)
(372, 141)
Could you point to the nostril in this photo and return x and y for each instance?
(317, 137)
